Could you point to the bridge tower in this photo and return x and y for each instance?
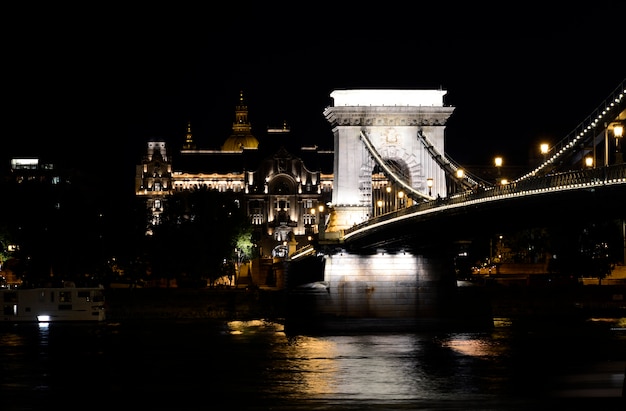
(392, 130)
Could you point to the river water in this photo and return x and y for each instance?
(256, 365)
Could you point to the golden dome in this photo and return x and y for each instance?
(242, 136)
(238, 142)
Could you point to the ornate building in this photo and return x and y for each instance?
(282, 184)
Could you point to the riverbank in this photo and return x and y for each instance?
(511, 301)
(190, 303)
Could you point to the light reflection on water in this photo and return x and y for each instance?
(256, 365)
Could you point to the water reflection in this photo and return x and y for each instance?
(255, 364)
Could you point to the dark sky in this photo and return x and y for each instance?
(97, 83)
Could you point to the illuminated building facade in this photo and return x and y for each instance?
(281, 183)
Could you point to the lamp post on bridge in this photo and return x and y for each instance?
(544, 148)
(459, 175)
(429, 183)
(498, 163)
(618, 133)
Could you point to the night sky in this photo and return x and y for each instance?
(91, 86)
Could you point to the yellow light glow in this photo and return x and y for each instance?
(429, 182)
(498, 161)
(401, 194)
(544, 147)
(618, 131)
(589, 161)
(460, 173)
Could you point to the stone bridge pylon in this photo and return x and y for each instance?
(394, 132)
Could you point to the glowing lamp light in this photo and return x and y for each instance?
(460, 173)
(498, 161)
(544, 147)
(589, 161)
(43, 318)
(618, 131)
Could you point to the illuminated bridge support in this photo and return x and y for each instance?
(383, 292)
(392, 121)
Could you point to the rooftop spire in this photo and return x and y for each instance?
(189, 144)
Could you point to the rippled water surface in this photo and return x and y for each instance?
(255, 365)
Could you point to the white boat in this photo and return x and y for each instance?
(52, 304)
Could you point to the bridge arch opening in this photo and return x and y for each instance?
(387, 194)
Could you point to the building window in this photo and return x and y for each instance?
(65, 296)
(308, 218)
(281, 205)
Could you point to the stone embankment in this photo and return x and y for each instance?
(238, 304)
(188, 303)
(575, 301)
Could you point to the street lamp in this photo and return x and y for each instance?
(320, 222)
(459, 174)
(498, 163)
(618, 133)
(589, 161)
(429, 183)
(544, 147)
(401, 199)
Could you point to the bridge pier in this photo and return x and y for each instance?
(385, 291)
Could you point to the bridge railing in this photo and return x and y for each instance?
(585, 131)
(613, 174)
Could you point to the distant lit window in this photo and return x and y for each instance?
(25, 163)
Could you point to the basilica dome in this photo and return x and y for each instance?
(242, 137)
(238, 142)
